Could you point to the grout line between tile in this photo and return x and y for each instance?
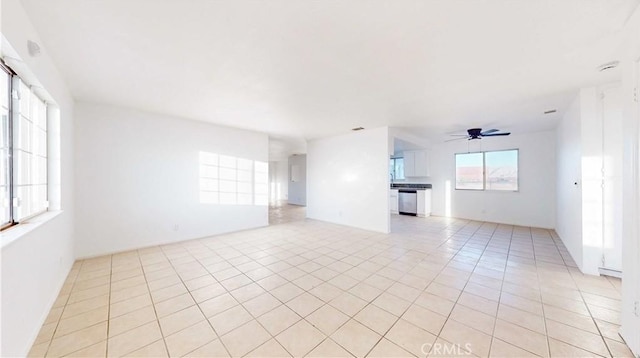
(325, 247)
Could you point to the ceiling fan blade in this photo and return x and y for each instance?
(459, 135)
(451, 140)
(489, 131)
(496, 134)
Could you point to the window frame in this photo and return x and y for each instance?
(10, 173)
(484, 170)
(394, 173)
(455, 169)
(13, 116)
(517, 150)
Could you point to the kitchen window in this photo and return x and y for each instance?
(396, 168)
(23, 150)
(490, 170)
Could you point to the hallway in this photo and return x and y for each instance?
(282, 213)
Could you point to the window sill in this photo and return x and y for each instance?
(15, 232)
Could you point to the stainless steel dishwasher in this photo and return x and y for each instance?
(408, 201)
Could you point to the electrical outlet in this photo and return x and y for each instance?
(176, 227)
(636, 308)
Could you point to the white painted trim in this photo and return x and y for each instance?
(14, 233)
(608, 272)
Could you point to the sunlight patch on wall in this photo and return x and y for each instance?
(592, 201)
(447, 198)
(228, 180)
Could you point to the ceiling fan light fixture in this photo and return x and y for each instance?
(478, 133)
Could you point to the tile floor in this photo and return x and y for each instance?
(434, 287)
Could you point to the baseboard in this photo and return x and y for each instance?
(609, 272)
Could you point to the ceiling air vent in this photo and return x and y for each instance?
(357, 129)
(608, 66)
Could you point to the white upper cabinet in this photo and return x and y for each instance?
(416, 163)
(421, 163)
(409, 164)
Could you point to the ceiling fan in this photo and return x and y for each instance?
(477, 133)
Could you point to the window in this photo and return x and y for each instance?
(494, 170)
(229, 180)
(469, 171)
(23, 147)
(501, 168)
(396, 168)
(5, 163)
(261, 183)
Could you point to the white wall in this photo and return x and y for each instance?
(278, 180)
(630, 321)
(569, 179)
(534, 203)
(613, 164)
(297, 190)
(591, 151)
(581, 209)
(348, 179)
(138, 177)
(35, 265)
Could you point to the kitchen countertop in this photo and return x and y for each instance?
(410, 186)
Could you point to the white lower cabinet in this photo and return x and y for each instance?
(393, 201)
(424, 202)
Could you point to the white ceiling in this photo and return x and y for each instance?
(306, 69)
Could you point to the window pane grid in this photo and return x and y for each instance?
(501, 170)
(490, 170)
(29, 154)
(261, 188)
(228, 180)
(16, 150)
(245, 176)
